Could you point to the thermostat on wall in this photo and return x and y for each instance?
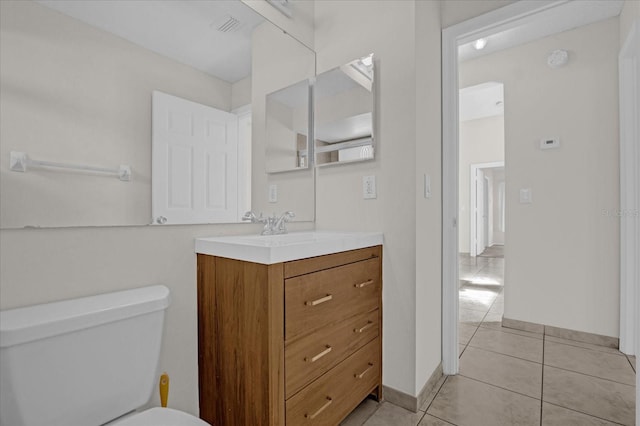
(549, 143)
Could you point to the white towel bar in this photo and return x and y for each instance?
(19, 162)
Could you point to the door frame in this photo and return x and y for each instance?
(472, 200)
(629, 75)
(502, 19)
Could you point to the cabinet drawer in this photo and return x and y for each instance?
(311, 356)
(330, 398)
(314, 300)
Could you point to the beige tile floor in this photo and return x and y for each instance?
(512, 377)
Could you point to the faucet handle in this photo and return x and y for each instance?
(249, 216)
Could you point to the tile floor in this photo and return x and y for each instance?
(512, 377)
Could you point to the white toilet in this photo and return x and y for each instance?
(85, 362)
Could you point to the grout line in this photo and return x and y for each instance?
(581, 412)
(590, 375)
(507, 355)
(511, 334)
(630, 363)
(446, 421)
(436, 395)
(512, 331)
(498, 387)
(575, 345)
(502, 353)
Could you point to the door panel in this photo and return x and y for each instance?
(195, 162)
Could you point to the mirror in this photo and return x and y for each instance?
(288, 128)
(76, 84)
(344, 113)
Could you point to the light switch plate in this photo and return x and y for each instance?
(525, 196)
(273, 193)
(369, 187)
(427, 186)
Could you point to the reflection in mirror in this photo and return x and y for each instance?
(288, 128)
(344, 113)
(76, 84)
(278, 63)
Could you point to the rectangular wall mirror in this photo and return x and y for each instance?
(288, 128)
(344, 113)
(76, 85)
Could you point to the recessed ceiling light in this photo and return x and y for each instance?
(479, 44)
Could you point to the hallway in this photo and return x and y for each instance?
(513, 377)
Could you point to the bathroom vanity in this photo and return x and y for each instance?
(289, 327)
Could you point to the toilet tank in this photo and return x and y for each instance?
(80, 362)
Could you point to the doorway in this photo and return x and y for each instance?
(486, 208)
(518, 15)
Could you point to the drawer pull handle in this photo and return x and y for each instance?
(364, 284)
(361, 375)
(362, 329)
(320, 410)
(320, 355)
(319, 301)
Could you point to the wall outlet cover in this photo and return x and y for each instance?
(369, 187)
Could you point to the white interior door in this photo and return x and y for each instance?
(480, 211)
(486, 202)
(195, 162)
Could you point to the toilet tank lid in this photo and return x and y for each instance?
(36, 322)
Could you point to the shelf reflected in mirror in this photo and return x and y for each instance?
(344, 113)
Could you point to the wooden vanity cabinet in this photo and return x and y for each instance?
(295, 343)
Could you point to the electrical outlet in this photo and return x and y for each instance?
(369, 187)
(273, 193)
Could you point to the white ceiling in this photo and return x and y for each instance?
(569, 15)
(184, 30)
(481, 101)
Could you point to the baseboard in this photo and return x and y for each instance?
(409, 402)
(429, 386)
(563, 333)
(581, 336)
(522, 325)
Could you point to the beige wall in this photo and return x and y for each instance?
(562, 251)
(72, 93)
(428, 158)
(241, 93)
(277, 62)
(498, 178)
(411, 329)
(480, 141)
(44, 265)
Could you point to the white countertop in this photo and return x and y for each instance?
(269, 249)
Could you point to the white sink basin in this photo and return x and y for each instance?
(268, 249)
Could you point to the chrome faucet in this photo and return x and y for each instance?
(280, 226)
(272, 225)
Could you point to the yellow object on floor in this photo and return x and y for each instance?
(164, 389)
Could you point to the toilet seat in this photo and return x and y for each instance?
(160, 417)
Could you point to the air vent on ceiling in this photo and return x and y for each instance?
(227, 24)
